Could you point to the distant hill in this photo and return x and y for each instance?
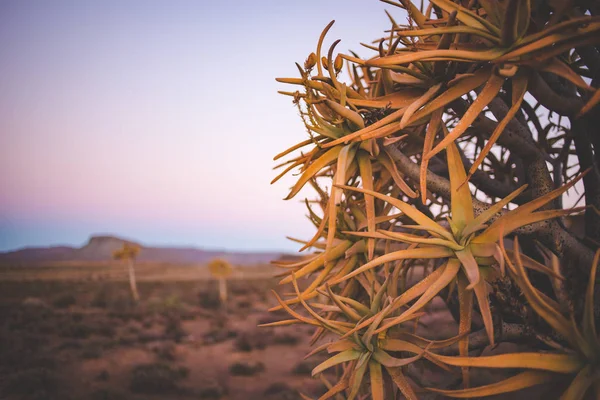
(100, 248)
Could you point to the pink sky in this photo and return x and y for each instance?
(157, 120)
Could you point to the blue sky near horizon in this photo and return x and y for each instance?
(158, 120)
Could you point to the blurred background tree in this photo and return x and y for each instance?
(128, 253)
(221, 269)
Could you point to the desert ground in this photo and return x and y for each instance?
(71, 331)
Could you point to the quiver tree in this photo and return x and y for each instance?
(128, 253)
(220, 269)
(462, 131)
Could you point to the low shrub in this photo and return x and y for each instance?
(156, 378)
(64, 300)
(246, 368)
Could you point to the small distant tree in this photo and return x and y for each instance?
(220, 269)
(128, 252)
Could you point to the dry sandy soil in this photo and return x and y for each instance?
(72, 332)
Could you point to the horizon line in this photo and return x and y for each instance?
(148, 244)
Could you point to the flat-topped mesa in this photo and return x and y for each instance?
(101, 247)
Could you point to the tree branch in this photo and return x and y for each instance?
(547, 97)
(479, 339)
(591, 181)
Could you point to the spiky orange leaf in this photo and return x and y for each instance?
(342, 357)
(314, 168)
(488, 93)
(519, 88)
(521, 381)
(423, 252)
(402, 383)
(560, 363)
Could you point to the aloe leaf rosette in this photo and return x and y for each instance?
(426, 158)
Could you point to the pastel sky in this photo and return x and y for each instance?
(157, 120)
